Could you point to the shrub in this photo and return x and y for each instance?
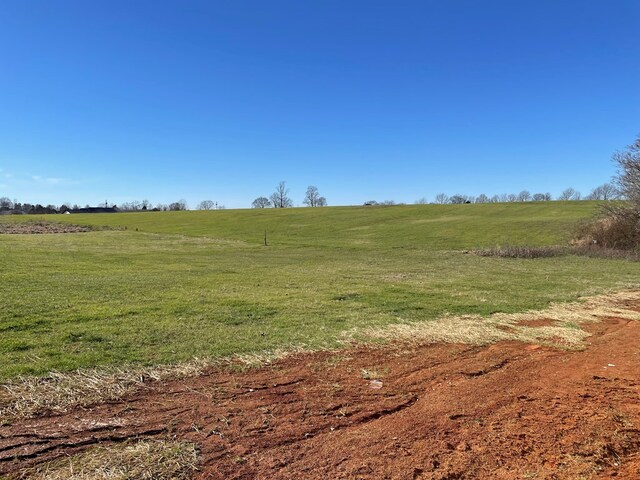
(619, 230)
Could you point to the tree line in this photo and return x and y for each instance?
(280, 198)
(8, 206)
(606, 191)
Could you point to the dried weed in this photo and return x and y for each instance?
(144, 460)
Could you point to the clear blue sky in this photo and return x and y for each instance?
(158, 100)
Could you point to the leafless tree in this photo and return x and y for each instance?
(179, 205)
(524, 196)
(569, 194)
(280, 198)
(628, 176)
(458, 199)
(313, 198)
(482, 198)
(206, 205)
(442, 198)
(6, 203)
(606, 191)
(261, 202)
(538, 197)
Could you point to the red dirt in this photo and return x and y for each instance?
(506, 411)
(538, 322)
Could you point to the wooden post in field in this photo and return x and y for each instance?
(265, 238)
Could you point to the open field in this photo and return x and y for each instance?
(425, 360)
(408, 410)
(178, 285)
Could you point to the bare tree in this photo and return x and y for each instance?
(606, 191)
(442, 198)
(421, 201)
(280, 198)
(313, 198)
(569, 194)
(261, 202)
(6, 203)
(458, 199)
(524, 196)
(206, 205)
(482, 198)
(538, 197)
(179, 205)
(628, 177)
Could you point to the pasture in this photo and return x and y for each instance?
(165, 287)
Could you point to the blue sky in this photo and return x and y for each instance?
(130, 100)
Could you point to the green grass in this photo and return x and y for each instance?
(175, 285)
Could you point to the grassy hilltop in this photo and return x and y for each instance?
(431, 227)
(174, 285)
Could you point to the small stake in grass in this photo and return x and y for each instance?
(265, 238)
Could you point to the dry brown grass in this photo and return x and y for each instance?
(522, 252)
(41, 227)
(58, 392)
(28, 396)
(562, 324)
(619, 229)
(144, 460)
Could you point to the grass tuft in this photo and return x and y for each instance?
(144, 460)
(57, 392)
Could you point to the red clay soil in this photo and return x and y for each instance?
(506, 411)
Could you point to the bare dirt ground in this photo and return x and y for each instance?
(40, 228)
(505, 411)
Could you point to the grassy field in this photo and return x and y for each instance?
(167, 286)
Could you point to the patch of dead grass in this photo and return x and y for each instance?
(144, 460)
(58, 392)
(41, 227)
(564, 331)
(28, 396)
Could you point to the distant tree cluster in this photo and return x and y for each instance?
(7, 206)
(15, 207)
(280, 198)
(388, 203)
(605, 192)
